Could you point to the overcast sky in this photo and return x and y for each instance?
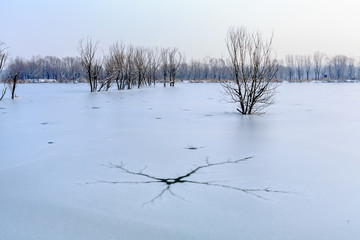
(197, 27)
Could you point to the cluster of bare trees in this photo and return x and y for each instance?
(319, 67)
(128, 66)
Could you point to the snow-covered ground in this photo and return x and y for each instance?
(56, 138)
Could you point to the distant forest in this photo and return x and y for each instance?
(153, 66)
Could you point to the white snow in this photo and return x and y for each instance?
(55, 138)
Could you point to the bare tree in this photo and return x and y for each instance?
(328, 70)
(253, 69)
(299, 66)
(290, 66)
(109, 73)
(3, 93)
(12, 84)
(164, 64)
(154, 61)
(318, 61)
(206, 67)
(3, 57)
(307, 66)
(338, 64)
(129, 67)
(351, 68)
(91, 65)
(175, 59)
(140, 62)
(171, 60)
(14, 71)
(117, 62)
(358, 69)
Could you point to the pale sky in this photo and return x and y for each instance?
(197, 27)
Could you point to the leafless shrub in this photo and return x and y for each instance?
(253, 69)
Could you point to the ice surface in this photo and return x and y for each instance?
(56, 138)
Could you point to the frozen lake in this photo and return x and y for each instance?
(56, 138)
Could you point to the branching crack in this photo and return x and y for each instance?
(169, 182)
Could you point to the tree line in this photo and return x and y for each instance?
(66, 69)
(319, 66)
(128, 66)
